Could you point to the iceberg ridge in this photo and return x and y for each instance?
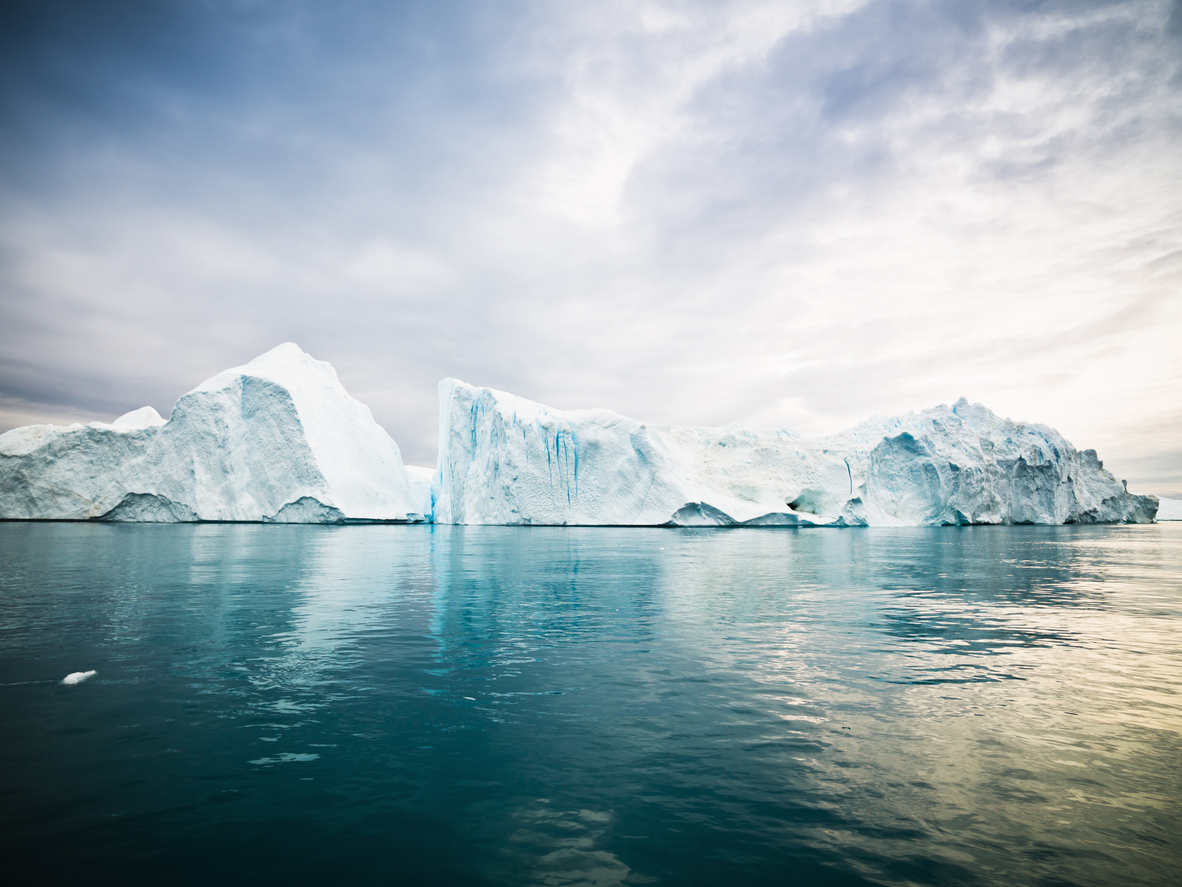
(507, 460)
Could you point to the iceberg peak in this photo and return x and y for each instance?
(136, 420)
(287, 365)
(288, 358)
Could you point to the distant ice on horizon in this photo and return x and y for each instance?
(1169, 509)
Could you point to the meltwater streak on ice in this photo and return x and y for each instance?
(495, 705)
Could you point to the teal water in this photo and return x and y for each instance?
(418, 705)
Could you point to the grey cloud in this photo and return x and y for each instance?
(784, 124)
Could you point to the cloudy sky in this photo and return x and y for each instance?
(782, 214)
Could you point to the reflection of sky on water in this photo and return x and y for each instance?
(589, 705)
(352, 591)
(839, 664)
(1070, 666)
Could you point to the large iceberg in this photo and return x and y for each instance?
(278, 439)
(507, 460)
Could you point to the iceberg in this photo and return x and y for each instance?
(1169, 509)
(421, 480)
(277, 440)
(507, 460)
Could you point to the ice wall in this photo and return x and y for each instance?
(278, 439)
(507, 460)
(421, 480)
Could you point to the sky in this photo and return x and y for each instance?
(778, 214)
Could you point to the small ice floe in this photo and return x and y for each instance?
(78, 677)
(285, 758)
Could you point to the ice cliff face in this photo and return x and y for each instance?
(278, 439)
(507, 460)
(421, 481)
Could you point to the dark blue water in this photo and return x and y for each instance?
(417, 705)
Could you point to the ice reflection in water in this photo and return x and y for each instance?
(549, 706)
(561, 847)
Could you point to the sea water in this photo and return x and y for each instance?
(550, 706)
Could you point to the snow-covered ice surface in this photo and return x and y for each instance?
(278, 439)
(507, 460)
(1169, 509)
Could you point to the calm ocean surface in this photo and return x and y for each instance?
(418, 705)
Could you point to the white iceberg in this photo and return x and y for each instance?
(1169, 509)
(507, 460)
(421, 481)
(278, 439)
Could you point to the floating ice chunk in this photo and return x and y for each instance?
(78, 677)
(285, 758)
